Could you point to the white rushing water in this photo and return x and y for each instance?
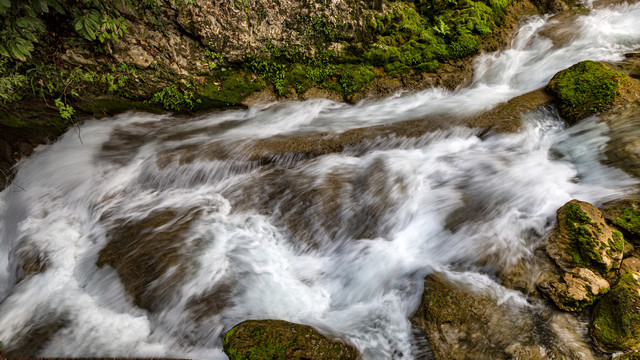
(264, 250)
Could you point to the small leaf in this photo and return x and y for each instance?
(78, 25)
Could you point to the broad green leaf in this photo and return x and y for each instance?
(78, 25)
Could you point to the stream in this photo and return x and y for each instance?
(341, 242)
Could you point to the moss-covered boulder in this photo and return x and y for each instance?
(582, 238)
(281, 340)
(616, 317)
(574, 290)
(586, 88)
(625, 215)
(586, 251)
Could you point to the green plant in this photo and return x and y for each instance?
(66, 110)
(174, 98)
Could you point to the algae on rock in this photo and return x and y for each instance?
(586, 251)
(616, 317)
(586, 88)
(282, 340)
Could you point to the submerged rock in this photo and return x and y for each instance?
(616, 317)
(149, 254)
(281, 340)
(587, 88)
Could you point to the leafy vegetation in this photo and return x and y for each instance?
(586, 88)
(174, 98)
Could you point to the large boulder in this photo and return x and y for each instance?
(281, 340)
(587, 252)
(587, 88)
(616, 317)
(582, 238)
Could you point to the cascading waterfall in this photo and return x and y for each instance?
(340, 242)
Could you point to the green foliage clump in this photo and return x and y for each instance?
(629, 220)
(586, 88)
(616, 320)
(174, 98)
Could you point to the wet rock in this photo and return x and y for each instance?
(316, 93)
(625, 215)
(461, 322)
(503, 118)
(574, 290)
(628, 250)
(506, 117)
(616, 317)
(587, 88)
(35, 338)
(630, 264)
(587, 252)
(623, 147)
(143, 252)
(582, 238)
(281, 340)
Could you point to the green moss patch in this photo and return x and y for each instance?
(584, 244)
(281, 340)
(616, 320)
(229, 88)
(586, 88)
(630, 220)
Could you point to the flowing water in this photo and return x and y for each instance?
(341, 242)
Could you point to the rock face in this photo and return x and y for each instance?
(586, 88)
(586, 251)
(616, 317)
(461, 323)
(281, 340)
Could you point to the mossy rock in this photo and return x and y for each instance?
(586, 88)
(616, 317)
(625, 215)
(281, 340)
(583, 239)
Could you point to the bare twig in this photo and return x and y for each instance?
(9, 180)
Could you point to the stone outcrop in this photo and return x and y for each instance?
(616, 317)
(281, 340)
(586, 251)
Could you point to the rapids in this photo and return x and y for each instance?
(341, 242)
